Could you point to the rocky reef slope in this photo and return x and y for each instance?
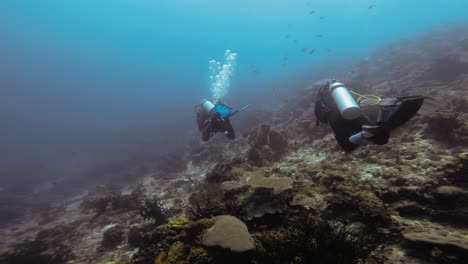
(286, 193)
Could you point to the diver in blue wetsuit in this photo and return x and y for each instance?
(213, 117)
(336, 106)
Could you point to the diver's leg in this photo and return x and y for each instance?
(343, 129)
(207, 130)
(200, 123)
(229, 132)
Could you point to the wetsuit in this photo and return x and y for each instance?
(211, 122)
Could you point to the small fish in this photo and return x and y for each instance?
(287, 36)
(372, 6)
(295, 41)
(312, 12)
(312, 51)
(322, 17)
(304, 49)
(319, 36)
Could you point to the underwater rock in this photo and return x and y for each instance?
(277, 141)
(49, 246)
(112, 202)
(221, 173)
(307, 125)
(206, 200)
(255, 157)
(449, 193)
(304, 201)
(263, 201)
(112, 237)
(458, 104)
(447, 127)
(229, 186)
(446, 68)
(152, 209)
(135, 236)
(372, 208)
(281, 245)
(267, 195)
(259, 136)
(445, 237)
(268, 144)
(391, 254)
(277, 184)
(411, 210)
(230, 233)
(363, 206)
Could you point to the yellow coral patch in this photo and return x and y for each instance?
(463, 155)
(178, 222)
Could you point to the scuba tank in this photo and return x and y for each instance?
(207, 105)
(348, 107)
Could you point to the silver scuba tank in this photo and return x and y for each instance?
(345, 102)
(207, 105)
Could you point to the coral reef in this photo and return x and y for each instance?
(285, 193)
(152, 209)
(267, 144)
(230, 233)
(447, 127)
(49, 246)
(112, 237)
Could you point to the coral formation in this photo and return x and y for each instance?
(284, 193)
(446, 127)
(49, 246)
(152, 209)
(230, 233)
(267, 144)
(112, 237)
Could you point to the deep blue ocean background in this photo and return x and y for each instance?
(91, 80)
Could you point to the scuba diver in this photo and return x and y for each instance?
(366, 119)
(213, 116)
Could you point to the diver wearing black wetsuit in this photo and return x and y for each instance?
(213, 118)
(351, 132)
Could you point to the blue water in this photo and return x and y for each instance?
(87, 80)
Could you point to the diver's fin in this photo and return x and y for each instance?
(408, 107)
(432, 105)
